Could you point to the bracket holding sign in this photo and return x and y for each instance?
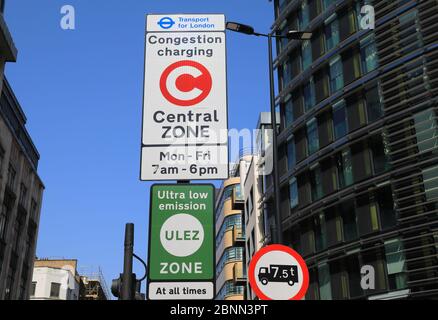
(181, 242)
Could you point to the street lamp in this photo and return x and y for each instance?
(292, 34)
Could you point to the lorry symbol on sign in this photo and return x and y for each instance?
(186, 83)
(166, 23)
(278, 273)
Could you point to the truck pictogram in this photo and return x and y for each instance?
(278, 273)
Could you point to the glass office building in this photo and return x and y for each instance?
(358, 145)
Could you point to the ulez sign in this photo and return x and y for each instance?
(181, 242)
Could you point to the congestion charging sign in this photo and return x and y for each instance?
(181, 242)
(185, 123)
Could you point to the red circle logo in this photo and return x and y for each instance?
(277, 272)
(186, 83)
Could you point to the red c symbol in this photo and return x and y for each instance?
(186, 83)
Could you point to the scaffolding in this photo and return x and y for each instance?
(93, 284)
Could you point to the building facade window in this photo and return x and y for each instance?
(325, 288)
(340, 119)
(23, 195)
(286, 73)
(11, 176)
(293, 193)
(288, 113)
(344, 168)
(33, 209)
(230, 222)
(388, 216)
(426, 130)
(229, 289)
(291, 155)
(430, 181)
(367, 215)
(349, 220)
(312, 136)
(395, 264)
(331, 32)
(226, 195)
(374, 105)
(55, 290)
(380, 150)
(309, 95)
(368, 52)
(306, 54)
(303, 15)
(2, 157)
(336, 74)
(320, 232)
(18, 228)
(4, 218)
(315, 183)
(233, 254)
(327, 3)
(33, 289)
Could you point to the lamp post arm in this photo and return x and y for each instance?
(270, 35)
(276, 196)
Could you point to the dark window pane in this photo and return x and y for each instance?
(325, 288)
(309, 95)
(368, 53)
(374, 107)
(54, 290)
(293, 193)
(320, 232)
(316, 185)
(291, 157)
(340, 119)
(336, 74)
(349, 221)
(288, 113)
(354, 276)
(345, 168)
(367, 217)
(388, 217)
(306, 54)
(304, 15)
(380, 153)
(312, 136)
(331, 32)
(361, 161)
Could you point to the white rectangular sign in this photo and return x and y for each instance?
(185, 22)
(181, 291)
(185, 90)
(176, 162)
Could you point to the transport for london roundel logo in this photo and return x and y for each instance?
(277, 272)
(186, 83)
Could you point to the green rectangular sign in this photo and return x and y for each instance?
(181, 233)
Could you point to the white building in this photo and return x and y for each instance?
(255, 172)
(55, 280)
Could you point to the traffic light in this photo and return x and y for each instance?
(127, 286)
(135, 285)
(116, 287)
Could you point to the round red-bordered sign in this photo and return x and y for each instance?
(186, 82)
(304, 282)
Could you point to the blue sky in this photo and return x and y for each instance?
(82, 93)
